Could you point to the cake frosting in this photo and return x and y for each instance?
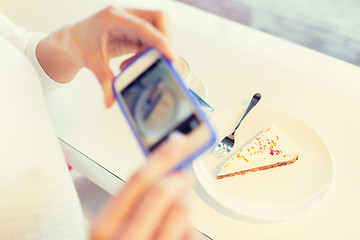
(271, 148)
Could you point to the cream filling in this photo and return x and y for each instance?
(269, 147)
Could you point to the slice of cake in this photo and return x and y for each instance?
(271, 148)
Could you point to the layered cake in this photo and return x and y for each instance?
(271, 148)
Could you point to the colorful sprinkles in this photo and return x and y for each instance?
(261, 146)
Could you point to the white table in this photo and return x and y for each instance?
(319, 90)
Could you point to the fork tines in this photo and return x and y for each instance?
(224, 146)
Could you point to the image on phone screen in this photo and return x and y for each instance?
(157, 106)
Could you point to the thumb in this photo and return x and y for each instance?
(105, 78)
(169, 154)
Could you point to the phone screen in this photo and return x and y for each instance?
(158, 106)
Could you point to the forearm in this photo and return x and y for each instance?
(53, 54)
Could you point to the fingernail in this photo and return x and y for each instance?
(177, 136)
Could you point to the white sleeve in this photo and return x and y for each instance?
(27, 42)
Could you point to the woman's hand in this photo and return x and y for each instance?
(150, 206)
(92, 42)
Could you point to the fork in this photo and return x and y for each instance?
(225, 145)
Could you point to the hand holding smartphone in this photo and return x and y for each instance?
(156, 104)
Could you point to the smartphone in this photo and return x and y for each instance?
(156, 103)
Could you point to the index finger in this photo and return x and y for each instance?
(145, 29)
(150, 35)
(159, 19)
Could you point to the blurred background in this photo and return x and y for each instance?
(328, 26)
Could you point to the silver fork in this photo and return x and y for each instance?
(225, 145)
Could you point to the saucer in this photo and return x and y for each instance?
(198, 86)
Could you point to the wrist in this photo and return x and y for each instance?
(55, 56)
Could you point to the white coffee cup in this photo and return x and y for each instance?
(183, 68)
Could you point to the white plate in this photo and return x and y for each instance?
(274, 194)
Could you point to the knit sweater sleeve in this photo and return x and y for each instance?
(38, 200)
(27, 42)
